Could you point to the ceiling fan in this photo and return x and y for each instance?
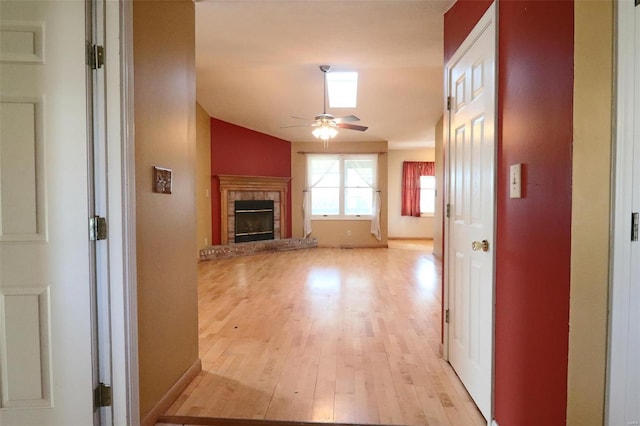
(325, 125)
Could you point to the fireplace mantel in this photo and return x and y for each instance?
(230, 183)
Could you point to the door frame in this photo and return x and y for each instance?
(96, 161)
(121, 214)
(489, 17)
(623, 185)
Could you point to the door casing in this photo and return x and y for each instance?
(623, 372)
(490, 17)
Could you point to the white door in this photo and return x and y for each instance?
(470, 231)
(623, 393)
(45, 297)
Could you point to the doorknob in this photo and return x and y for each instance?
(477, 245)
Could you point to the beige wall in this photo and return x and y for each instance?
(334, 233)
(592, 120)
(203, 178)
(165, 115)
(406, 226)
(438, 218)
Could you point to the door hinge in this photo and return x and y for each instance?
(448, 212)
(446, 316)
(449, 101)
(95, 56)
(97, 228)
(635, 221)
(102, 396)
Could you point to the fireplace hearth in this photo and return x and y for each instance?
(253, 220)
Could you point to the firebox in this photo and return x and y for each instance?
(253, 220)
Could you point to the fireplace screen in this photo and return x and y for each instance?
(253, 220)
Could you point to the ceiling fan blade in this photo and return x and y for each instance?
(348, 118)
(352, 127)
(299, 118)
(295, 125)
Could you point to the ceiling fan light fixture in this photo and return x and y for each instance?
(325, 126)
(325, 132)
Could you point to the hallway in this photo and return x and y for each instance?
(324, 335)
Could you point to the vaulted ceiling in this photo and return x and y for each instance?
(257, 65)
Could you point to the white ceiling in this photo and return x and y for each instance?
(257, 64)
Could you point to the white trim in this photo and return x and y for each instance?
(338, 217)
(129, 209)
(489, 18)
(621, 277)
(121, 214)
(100, 205)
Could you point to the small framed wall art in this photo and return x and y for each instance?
(161, 180)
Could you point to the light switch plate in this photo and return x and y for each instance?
(162, 178)
(515, 181)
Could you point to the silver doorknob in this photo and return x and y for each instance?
(477, 245)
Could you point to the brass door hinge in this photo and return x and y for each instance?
(449, 99)
(446, 316)
(635, 222)
(448, 210)
(97, 228)
(102, 396)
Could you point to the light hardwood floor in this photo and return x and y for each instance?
(411, 244)
(328, 335)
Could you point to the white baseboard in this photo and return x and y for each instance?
(172, 394)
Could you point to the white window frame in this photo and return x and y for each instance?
(342, 189)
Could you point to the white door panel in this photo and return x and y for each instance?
(623, 391)
(45, 327)
(633, 384)
(471, 186)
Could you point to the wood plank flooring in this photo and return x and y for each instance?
(324, 335)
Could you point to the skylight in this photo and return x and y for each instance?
(343, 89)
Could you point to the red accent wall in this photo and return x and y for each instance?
(533, 244)
(237, 150)
(534, 233)
(459, 20)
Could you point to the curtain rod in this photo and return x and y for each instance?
(306, 190)
(340, 153)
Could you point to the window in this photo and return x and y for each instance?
(341, 186)
(343, 89)
(427, 195)
(418, 188)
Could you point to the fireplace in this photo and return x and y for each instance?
(241, 188)
(253, 220)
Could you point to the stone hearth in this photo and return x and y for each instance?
(253, 247)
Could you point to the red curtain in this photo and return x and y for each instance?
(411, 172)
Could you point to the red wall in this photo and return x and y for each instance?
(535, 113)
(236, 150)
(459, 21)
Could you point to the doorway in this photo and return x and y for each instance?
(470, 216)
(623, 390)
